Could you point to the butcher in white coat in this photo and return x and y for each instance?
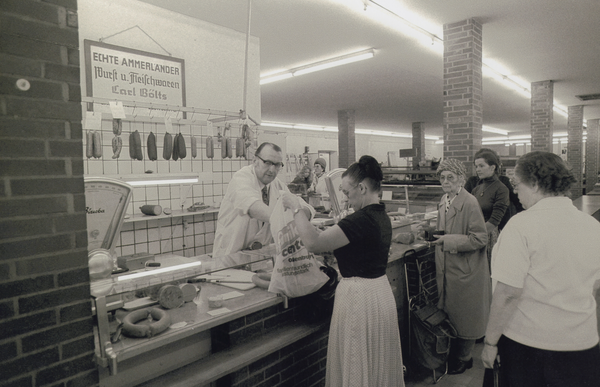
(248, 203)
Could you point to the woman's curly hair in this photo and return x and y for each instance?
(551, 174)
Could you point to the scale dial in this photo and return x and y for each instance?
(106, 202)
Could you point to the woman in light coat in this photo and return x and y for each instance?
(462, 271)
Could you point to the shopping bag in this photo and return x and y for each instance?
(296, 271)
(432, 331)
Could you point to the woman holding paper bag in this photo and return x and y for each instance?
(364, 340)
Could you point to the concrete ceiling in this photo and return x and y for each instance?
(536, 40)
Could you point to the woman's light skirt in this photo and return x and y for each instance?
(364, 339)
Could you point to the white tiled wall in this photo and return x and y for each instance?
(187, 235)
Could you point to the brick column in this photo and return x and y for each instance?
(592, 154)
(542, 117)
(346, 138)
(418, 142)
(463, 103)
(575, 147)
(46, 319)
(512, 150)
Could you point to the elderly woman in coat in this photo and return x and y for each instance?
(462, 271)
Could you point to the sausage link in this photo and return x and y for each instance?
(97, 145)
(167, 146)
(210, 149)
(194, 147)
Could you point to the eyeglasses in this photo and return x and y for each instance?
(514, 183)
(345, 192)
(270, 163)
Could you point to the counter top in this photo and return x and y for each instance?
(590, 204)
(194, 317)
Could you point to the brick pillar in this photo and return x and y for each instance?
(592, 154)
(46, 325)
(575, 147)
(418, 142)
(463, 103)
(542, 115)
(346, 138)
(512, 150)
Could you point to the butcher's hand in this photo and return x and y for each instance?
(290, 201)
(489, 355)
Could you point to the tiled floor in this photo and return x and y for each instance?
(470, 378)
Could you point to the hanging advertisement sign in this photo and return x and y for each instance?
(127, 74)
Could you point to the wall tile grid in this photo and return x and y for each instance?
(187, 235)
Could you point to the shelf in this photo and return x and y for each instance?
(223, 363)
(175, 214)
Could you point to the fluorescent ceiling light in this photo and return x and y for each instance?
(494, 142)
(560, 110)
(275, 78)
(397, 17)
(320, 128)
(494, 130)
(334, 62)
(520, 137)
(420, 29)
(160, 179)
(154, 272)
(318, 66)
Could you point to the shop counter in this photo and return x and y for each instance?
(190, 351)
(590, 204)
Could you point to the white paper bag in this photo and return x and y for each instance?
(296, 272)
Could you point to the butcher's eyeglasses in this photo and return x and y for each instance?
(270, 163)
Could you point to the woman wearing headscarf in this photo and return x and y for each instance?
(462, 270)
(319, 186)
(545, 268)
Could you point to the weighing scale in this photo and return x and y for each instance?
(333, 182)
(106, 202)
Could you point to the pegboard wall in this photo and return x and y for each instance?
(185, 233)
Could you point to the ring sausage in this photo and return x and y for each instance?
(161, 318)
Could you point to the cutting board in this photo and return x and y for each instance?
(243, 278)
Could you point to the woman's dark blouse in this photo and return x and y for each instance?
(369, 231)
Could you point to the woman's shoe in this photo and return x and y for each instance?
(460, 366)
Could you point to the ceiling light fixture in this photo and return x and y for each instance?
(318, 66)
(489, 129)
(412, 24)
(333, 129)
(159, 179)
(513, 82)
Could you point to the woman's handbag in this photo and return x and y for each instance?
(296, 271)
(493, 377)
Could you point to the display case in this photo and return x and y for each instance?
(127, 360)
(426, 175)
(411, 199)
(154, 312)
